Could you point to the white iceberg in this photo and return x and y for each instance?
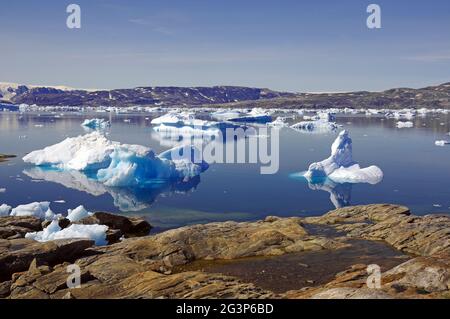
(341, 168)
(53, 231)
(256, 115)
(279, 122)
(5, 210)
(115, 164)
(317, 126)
(442, 143)
(180, 119)
(77, 214)
(407, 124)
(96, 124)
(37, 209)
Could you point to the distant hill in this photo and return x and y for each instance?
(225, 96)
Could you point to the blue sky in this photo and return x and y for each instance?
(286, 45)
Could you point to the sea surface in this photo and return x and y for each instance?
(416, 171)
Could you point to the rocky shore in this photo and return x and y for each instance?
(196, 261)
(4, 157)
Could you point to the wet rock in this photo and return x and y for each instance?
(418, 235)
(129, 227)
(229, 240)
(12, 227)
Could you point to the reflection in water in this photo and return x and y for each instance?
(126, 199)
(340, 194)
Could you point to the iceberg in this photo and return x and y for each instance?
(96, 124)
(53, 231)
(37, 209)
(279, 122)
(180, 119)
(341, 168)
(5, 210)
(256, 115)
(407, 124)
(442, 143)
(118, 165)
(316, 126)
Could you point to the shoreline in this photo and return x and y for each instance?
(217, 260)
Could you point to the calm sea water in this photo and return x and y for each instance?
(416, 172)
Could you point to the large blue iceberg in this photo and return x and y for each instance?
(119, 165)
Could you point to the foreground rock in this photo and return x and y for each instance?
(12, 227)
(17, 255)
(147, 267)
(423, 236)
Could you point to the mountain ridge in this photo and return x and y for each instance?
(437, 96)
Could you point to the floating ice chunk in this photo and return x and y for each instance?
(2, 190)
(340, 166)
(96, 124)
(77, 214)
(180, 119)
(4, 210)
(96, 233)
(279, 122)
(442, 143)
(185, 131)
(406, 124)
(256, 115)
(318, 126)
(40, 210)
(226, 114)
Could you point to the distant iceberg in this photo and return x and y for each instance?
(316, 126)
(341, 168)
(96, 124)
(118, 165)
(407, 124)
(256, 115)
(442, 143)
(279, 122)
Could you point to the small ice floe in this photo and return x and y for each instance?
(407, 124)
(341, 168)
(442, 143)
(2, 190)
(127, 120)
(256, 115)
(437, 205)
(40, 210)
(317, 126)
(53, 231)
(5, 210)
(279, 122)
(60, 201)
(38, 125)
(96, 124)
(77, 214)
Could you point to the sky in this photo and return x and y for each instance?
(287, 45)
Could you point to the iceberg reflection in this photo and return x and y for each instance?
(124, 198)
